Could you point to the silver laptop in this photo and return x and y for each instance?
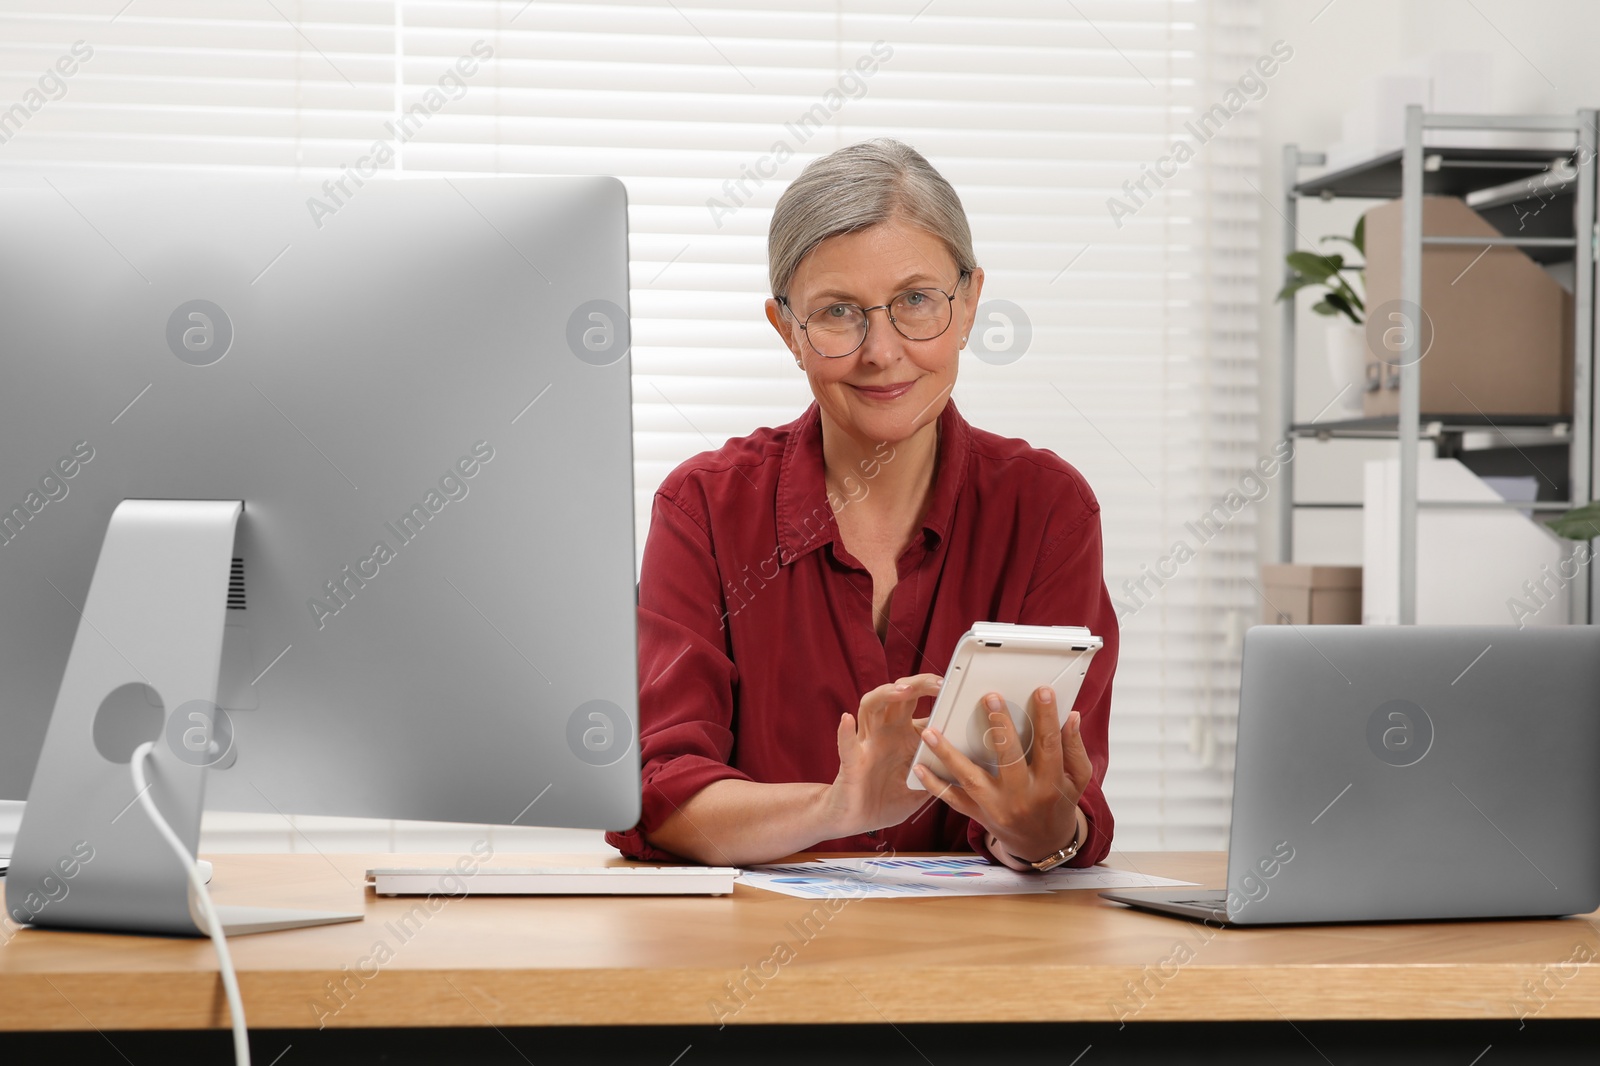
(1394, 773)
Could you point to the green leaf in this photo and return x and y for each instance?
(1337, 305)
(1314, 266)
(1350, 296)
(1346, 240)
(1298, 282)
(1356, 240)
(1580, 523)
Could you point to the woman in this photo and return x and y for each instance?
(802, 586)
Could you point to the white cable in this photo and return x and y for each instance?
(230, 980)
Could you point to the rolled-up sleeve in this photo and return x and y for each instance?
(1069, 589)
(687, 681)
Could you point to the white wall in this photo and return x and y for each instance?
(1543, 61)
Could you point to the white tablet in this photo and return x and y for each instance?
(1012, 660)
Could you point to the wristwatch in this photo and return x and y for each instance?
(1050, 862)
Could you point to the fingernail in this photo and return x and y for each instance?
(1073, 721)
(938, 682)
(931, 737)
(899, 688)
(1047, 696)
(995, 703)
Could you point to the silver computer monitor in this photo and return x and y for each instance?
(418, 392)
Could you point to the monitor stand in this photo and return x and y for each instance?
(143, 666)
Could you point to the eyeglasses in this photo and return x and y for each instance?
(837, 330)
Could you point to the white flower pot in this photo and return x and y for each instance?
(1347, 364)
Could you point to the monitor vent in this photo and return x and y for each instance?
(236, 586)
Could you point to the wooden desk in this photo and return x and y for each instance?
(757, 958)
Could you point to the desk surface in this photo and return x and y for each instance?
(751, 958)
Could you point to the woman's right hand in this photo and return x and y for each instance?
(876, 746)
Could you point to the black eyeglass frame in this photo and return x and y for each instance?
(866, 313)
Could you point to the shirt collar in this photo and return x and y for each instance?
(805, 519)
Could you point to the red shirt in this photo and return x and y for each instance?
(756, 629)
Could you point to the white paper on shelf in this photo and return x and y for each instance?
(1475, 566)
(916, 877)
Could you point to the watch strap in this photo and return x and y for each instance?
(1050, 862)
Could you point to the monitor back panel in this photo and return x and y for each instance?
(431, 434)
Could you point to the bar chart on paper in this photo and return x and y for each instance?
(958, 875)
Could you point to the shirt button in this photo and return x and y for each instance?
(872, 832)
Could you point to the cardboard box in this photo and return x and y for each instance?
(1501, 326)
(1298, 594)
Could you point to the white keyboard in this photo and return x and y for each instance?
(204, 864)
(556, 881)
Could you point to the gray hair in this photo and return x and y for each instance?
(859, 186)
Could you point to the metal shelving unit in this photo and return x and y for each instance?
(1564, 229)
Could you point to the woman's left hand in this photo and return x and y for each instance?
(1030, 803)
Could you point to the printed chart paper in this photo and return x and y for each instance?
(966, 875)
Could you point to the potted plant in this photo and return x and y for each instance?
(1346, 335)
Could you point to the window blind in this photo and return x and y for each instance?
(1118, 326)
